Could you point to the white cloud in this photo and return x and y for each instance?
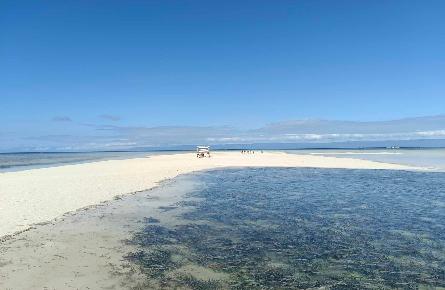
(97, 137)
(437, 133)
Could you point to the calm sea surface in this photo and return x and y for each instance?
(22, 161)
(430, 158)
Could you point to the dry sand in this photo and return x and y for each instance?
(38, 195)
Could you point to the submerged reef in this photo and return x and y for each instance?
(301, 229)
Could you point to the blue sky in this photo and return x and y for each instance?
(86, 70)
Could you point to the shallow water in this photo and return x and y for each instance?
(24, 161)
(433, 158)
(304, 228)
(273, 228)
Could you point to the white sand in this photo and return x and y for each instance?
(39, 195)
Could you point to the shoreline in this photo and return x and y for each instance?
(86, 248)
(42, 195)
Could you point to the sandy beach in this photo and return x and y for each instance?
(74, 226)
(39, 195)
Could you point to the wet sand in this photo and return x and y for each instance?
(86, 249)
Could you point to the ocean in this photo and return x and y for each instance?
(433, 158)
(24, 161)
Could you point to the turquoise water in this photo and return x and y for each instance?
(283, 228)
(430, 158)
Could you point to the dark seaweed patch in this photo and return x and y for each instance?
(155, 262)
(151, 220)
(167, 208)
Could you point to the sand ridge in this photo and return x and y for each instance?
(39, 195)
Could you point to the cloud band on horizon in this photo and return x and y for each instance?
(106, 137)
